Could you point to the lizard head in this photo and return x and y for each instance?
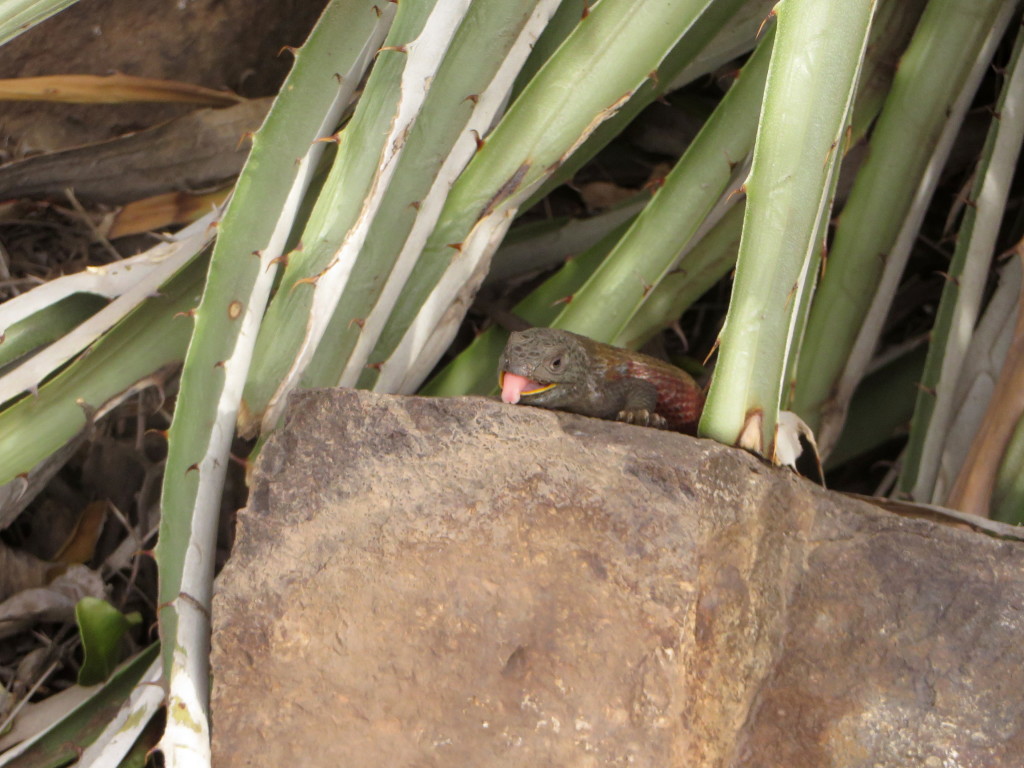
(542, 366)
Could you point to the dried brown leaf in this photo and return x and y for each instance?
(110, 89)
(55, 602)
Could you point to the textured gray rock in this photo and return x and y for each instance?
(431, 582)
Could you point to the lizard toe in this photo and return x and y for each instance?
(642, 417)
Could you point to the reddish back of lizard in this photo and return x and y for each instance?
(680, 399)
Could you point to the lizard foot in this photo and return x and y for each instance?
(643, 417)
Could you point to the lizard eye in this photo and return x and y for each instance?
(556, 363)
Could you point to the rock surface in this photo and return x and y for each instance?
(433, 582)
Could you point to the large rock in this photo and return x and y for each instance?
(424, 582)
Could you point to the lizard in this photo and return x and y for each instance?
(552, 368)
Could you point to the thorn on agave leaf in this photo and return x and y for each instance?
(681, 335)
(239, 460)
(714, 348)
(167, 605)
(653, 185)
(828, 154)
(375, 366)
(192, 468)
(360, 321)
(88, 410)
(474, 97)
(926, 389)
(791, 296)
(290, 48)
(311, 280)
(195, 603)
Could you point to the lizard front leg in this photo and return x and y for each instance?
(639, 398)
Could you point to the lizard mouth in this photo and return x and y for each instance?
(513, 386)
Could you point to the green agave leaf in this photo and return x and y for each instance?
(808, 101)
(47, 325)
(653, 245)
(881, 407)
(945, 56)
(598, 68)
(961, 302)
(150, 338)
(65, 739)
(101, 627)
(703, 265)
(338, 207)
(724, 21)
(252, 237)
(1008, 499)
(17, 16)
(491, 39)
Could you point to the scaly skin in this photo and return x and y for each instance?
(580, 375)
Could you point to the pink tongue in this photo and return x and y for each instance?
(513, 385)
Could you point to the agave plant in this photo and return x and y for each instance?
(434, 125)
